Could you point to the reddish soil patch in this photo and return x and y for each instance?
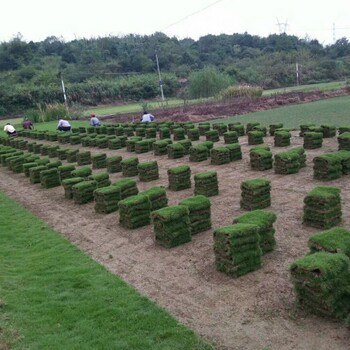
(252, 312)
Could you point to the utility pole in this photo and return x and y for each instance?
(160, 78)
(297, 73)
(63, 88)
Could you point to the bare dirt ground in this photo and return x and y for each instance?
(255, 311)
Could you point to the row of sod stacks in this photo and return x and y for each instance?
(114, 164)
(322, 207)
(237, 250)
(235, 151)
(83, 192)
(206, 184)
(83, 172)
(127, 187)
(255, 194)
(134, 211)
(148, 171)
(329, 130)
(102, 179)
(198, 153)
(203, 128)
(237, 127)
(67, 185)
(287, 163)
(157, 197)
(230, 137)
(334, 240)
(129, 166)
(212, 135)
(186, 144)
(264, 220)
(50, 178)
(172, 226)
(175, 151)
(327, 166)
(322, 283)
(179, 134)
(160, 147)
(107, 199)
(193, 134)
(282, 138)
(260, 158)
(164, 133)
(179, 177)
(72, 155)
(84, 158)
(255, 137)
(344, 141)
(34, 173)
(219, 155)
(99, 161)
(274, 127)
(343, 129)
(313, 140)
(199, 213)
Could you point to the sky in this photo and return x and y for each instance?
(36, 20)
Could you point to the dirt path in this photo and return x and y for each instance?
(255, 311)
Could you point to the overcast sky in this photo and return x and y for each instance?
(69, 19)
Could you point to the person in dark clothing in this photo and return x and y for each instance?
(27, 124)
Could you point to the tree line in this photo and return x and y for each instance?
(108, 69)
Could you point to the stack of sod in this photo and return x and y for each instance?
(164, 133)
(235, 151)
(7, 157)
(212, 135)
(16, 165)
(261, 128)
(90, 130)
(208, 144)
(82, 129)
(203, 128)
(72, 155)
(42, 161)
(179, 134)
(129, 166)
(175, 151)
(179, 177)
(63, 138)
(99, 161)
(107, 199)
(148, 171)
(53, 136)
(199, 213)
(237, 250)
(102, 179)
(67, 186)
(302, 156)
(206, 184)
(313, 140)
(287, 163)
(335, 240)
(220, 127)
(260, 158)
(344, 157)
(157, 197)
(255, 137)
(83, 192)
(44, 150)
(128, 131)
(119, 131)
(113, 164)
(30, 146)
(135, 211)
(186, 145)
(343, 129)
(329, 130)
(327, 166)
(34, 173)
(143, 146)
(83, 172)
(230, 137)
(322, 283)
(282, 138)
(52, 152)
(255, 194)
(193, 134)
(274, 127)
(322, 207)
(65, 171)
(62, 154)
(198, 153)
(160, 147)
(55, 164)
(172, 226)
(50, 178)
(151, 133)
(305, 128)
(114, 143)
(84, 158)
(219, 156)
(344, 141)
(130, 145)
(37, 148)
(75, 130)
(264, 220)
(250, 126)
(127, 187)
(237, 127)
(74, 140)
(140, 132)
(102, 142)
(27, 166)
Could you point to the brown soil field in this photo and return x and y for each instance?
(255, 311)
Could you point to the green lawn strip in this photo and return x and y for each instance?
(53, 296)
